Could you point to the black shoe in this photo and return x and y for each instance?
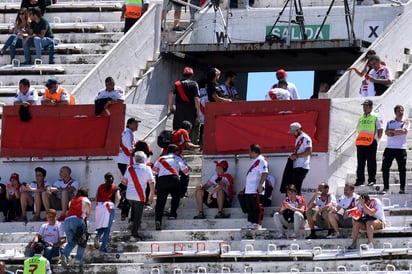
(402, 191)
(158, 225)
(311, 236)
(178, 28)
(359, 183)
(371, 183)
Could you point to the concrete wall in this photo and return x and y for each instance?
(125, 60)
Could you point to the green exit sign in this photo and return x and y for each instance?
(310, 30)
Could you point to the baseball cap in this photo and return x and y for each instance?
(132, 120)
(15, 176)
(51, 82)
(281, 74)
(294, 126)
(222, 163)
(188, 71)
(367, 102)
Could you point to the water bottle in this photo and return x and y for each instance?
(14, 41)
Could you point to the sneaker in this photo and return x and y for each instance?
(171, 218)
(201, 215)
(23, 219)
(358, 183)
(246, 226)
(61, 218)
(254, 226)
(311, 236)
(384, 191)
(77, 263)
(222, 215)
(63, 261)
(352, 246)
(292, 235)
(371, 183)
(35, 219)
(279, 236)
(96, 242)
(158, 225)
(334, 235)
(402, 191)
(370, 245)
(178, 28)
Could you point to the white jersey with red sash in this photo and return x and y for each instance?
(254, 174)
(137, 177)
(104, 205)
(302, 142)
(126, 144)
(170, 164)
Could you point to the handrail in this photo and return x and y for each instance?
(156, 126)
(337, 149)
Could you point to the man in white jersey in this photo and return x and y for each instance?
(396, 146)
(25, 95)
(255, 180)
(300, 156)
(111, 94)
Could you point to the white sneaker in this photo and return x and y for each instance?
(370, 245)
(254, 226)
(334, 235)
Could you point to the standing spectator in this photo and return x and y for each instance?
(367, 88)
(255, 180)
(138, 177)
(41, 4)
(32, 194)
(4, 207)
(339, 216)
(228, 87)
(167, 168)
(300, 156)
(372, 218)
(318, 209)
(61, 192)
(379, 75)
(214, 91)
(20, 31)
(13, 190)
(107, 196)
(132, 10)
(217, 192)
(167, 6)
(111, 94)
(369, 132)
(37, 264)
(52, 235)
(202, 107)
(3, 269)
(40, 37)
(280, 93)
(79, 209)
(281, 75)
(396, 146)
(124, 159)
(25, 95)
(185, 95)
(55, 94)
(265, 196)
(291, 214)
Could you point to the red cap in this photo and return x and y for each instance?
(15, 176)
(223, 164)
(188, 71)
(281, 74)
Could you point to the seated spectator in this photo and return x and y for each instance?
(25, 95)
(291, 214)
(280, 93)
(61, 192)
(20, 32)
(41, 4)
(13, 189)
(32, 195)
(111, 94)
(3, 202)
(216, 193)
(371, 218)
(318, 210)
(55, 94)
(40, 37)
(265, 196)
(3, 269)
(52, 235)
(339, 215)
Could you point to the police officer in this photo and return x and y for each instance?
(37, 264)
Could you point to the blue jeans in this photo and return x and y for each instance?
(70, 228)
(50, 252)
(38, 43)
(106, 232)
(9, 43)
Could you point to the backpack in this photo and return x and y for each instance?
(164, 139)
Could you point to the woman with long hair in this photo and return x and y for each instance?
(20, 31)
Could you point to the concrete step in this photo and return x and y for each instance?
(61, 58)
(100, 37)
(63, 79)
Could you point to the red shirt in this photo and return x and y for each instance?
(179, 137)
(104, 194)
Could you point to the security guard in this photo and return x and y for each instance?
(37, 264)
(369, 132)
(132, 10)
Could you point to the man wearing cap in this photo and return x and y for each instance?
(54, 94)
(216, 193)
(25, 95)
(281, 75)
(300, 156)
(369, 132)
(185, 95)
(13, 207)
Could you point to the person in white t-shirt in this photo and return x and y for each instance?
(26, 95)
(281, 75)
(280, 93)
(396, 148)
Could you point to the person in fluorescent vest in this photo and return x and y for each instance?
(132, 10)
(369, 132)
(37, 264)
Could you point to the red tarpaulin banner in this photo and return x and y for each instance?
(231, 127)
(62, 131)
